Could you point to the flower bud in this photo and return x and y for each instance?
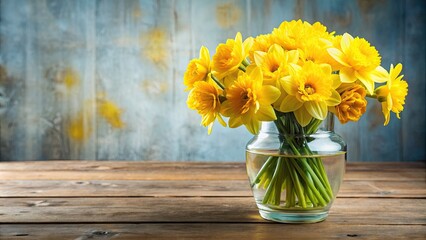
(353, 103)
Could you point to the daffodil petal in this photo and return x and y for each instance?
(293, 56)
(317, 110)
(269, 94)
(257, 77)
(289, 86)
(251, 123)
(207, 119)
(346, 42)
(326, 68)
(338, 56)
(290, 104)
(294, 68)
(204, 55)
(369, 84)
(336, 80)
(210, 128)
(226, 109)
(335, 98)
(239, 38)
(235, 122)
(266, 113)
(380, 75)
(259, 57)
(220, 120)
(389, 102)
(395, 71)
(347, 75)
(386, 113)
(247, 44)
(302, 116)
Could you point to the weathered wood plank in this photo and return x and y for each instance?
(185, 175)
(188, 188)
(117, 188)
(368, 211)
(190, 166)
(323, 230)
(96, 170)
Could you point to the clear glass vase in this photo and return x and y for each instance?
(295, 174)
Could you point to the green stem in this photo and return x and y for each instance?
(302, 175)
(317, 182)
(217, 82)
(273, 190)
(264, 169)
(245, 63)
(311, 185)
(299, 191)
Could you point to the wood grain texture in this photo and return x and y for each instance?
(376, 201)
(329, 230)
(134, 53)
(195, 209)
(189, 188)
(94, 170)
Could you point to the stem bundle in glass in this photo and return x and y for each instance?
(303, 178)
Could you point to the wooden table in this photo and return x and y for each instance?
(145, 200)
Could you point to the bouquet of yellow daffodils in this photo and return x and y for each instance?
(293, 76)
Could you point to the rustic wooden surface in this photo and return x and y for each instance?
(169, 200)
(133, 53)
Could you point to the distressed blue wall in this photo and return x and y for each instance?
(60, 57)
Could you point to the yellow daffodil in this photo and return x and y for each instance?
(360, 61)
(230, 55)
(353, 104)
(260, 43)
(310, 89)
(289, 35)
(249, 102)
(197, 69)
(392, 95)
(204, 98)
(274, 63)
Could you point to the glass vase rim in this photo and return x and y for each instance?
(272, 129)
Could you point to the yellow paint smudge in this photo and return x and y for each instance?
(227, 15)
(70, 78)
(64, 80)
(80, 128)
(154, 45)
(111, 113)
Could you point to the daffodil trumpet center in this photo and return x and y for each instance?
(248, 99)
(309, 89)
